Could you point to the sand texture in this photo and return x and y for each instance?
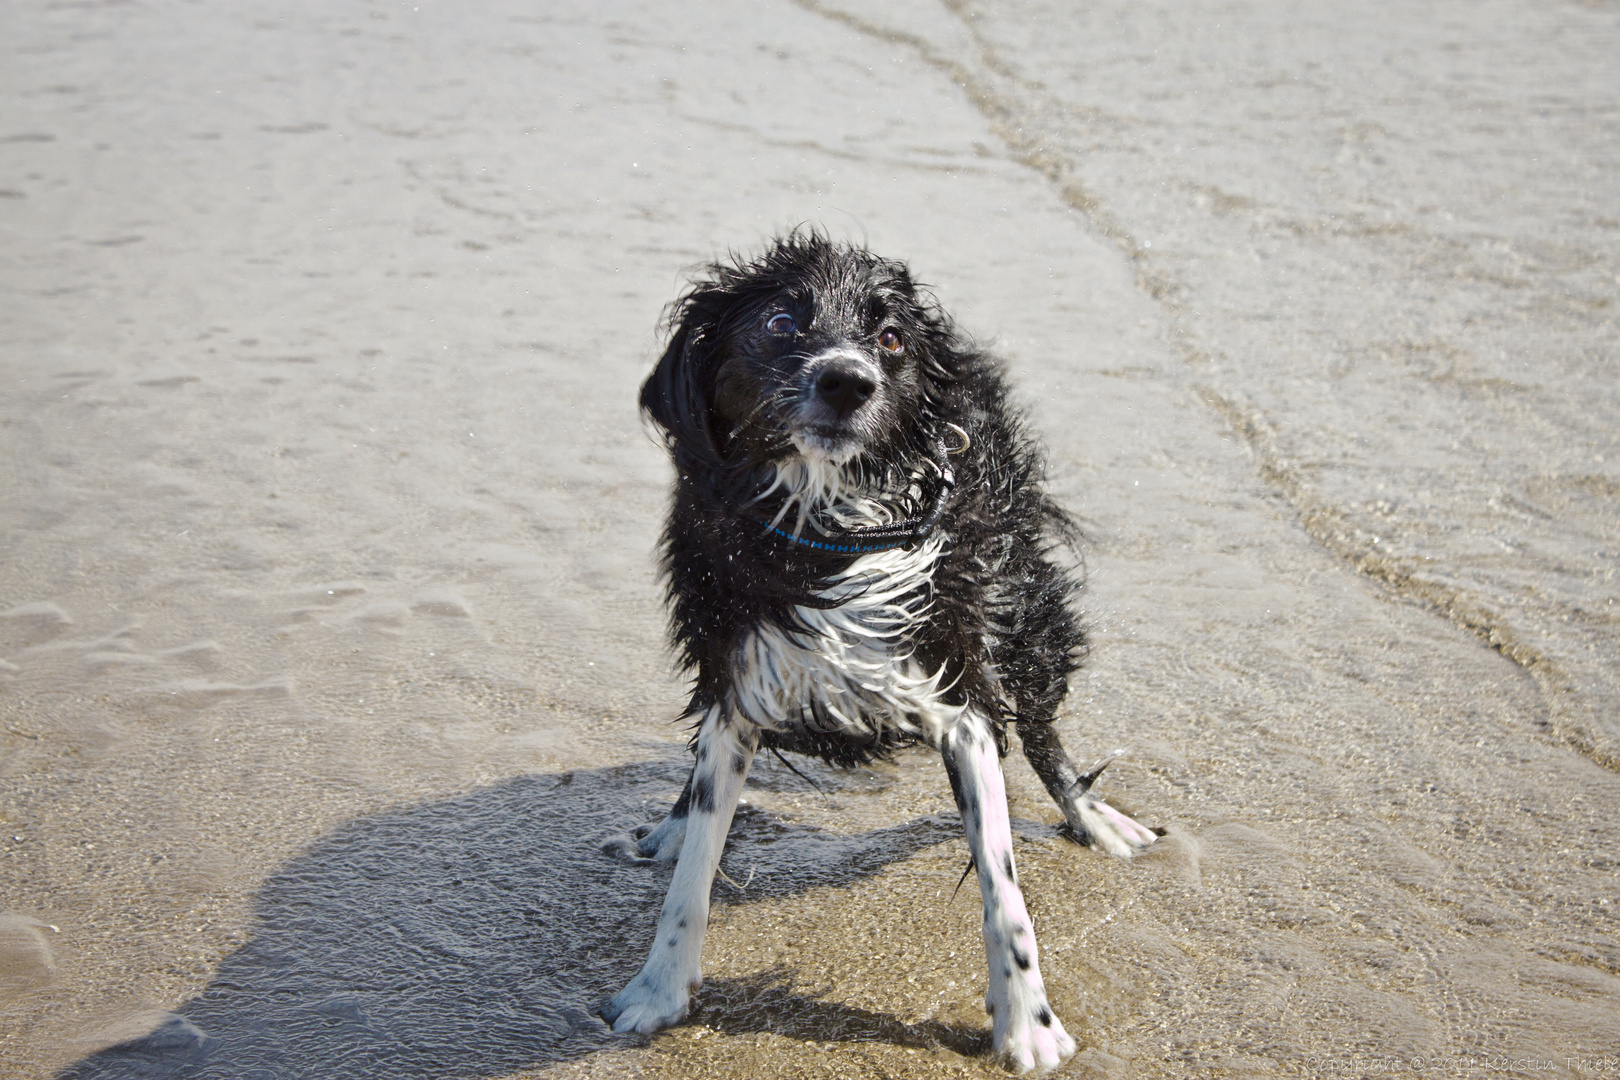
(330, 645)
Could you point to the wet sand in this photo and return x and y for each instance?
(329, 641)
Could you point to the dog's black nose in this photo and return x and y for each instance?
(845, 388)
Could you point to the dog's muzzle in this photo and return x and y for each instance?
(837, 391)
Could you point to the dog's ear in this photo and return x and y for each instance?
(660, 392)
(676, 394)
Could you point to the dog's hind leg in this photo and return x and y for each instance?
(1091, 821)
(661, 993)
(1024, 1030)
(655, 842)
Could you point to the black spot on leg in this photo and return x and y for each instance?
(1044, 1017)
(703, 794)
(674, 941)
(1007, 865)
(954, 773)
(1021, 958)
(739, 763)
(681, 925)
(959, 789)
(683, 805)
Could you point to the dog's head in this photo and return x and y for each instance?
(814, 349)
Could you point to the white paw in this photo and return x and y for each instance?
(1106, 829)
(647, 1005)
(1029, 1045)
(649, 843)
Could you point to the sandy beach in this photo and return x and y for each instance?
(330, 641)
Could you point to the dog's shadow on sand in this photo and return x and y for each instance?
(473, 937)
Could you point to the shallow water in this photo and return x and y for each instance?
(330, 642)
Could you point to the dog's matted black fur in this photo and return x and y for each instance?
(859, 556)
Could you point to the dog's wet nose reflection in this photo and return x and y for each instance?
(473, 936)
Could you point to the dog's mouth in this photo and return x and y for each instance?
(832, 443)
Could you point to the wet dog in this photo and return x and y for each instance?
(859, 556)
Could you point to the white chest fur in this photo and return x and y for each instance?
(849, 667)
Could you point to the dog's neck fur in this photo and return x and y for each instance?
(844, 663)
(819, 491)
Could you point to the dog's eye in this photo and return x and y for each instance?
(891, 341)
(781, 323)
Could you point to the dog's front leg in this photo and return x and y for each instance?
(1024, 1030)
(661, 993)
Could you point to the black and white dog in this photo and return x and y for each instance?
(857, 559)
